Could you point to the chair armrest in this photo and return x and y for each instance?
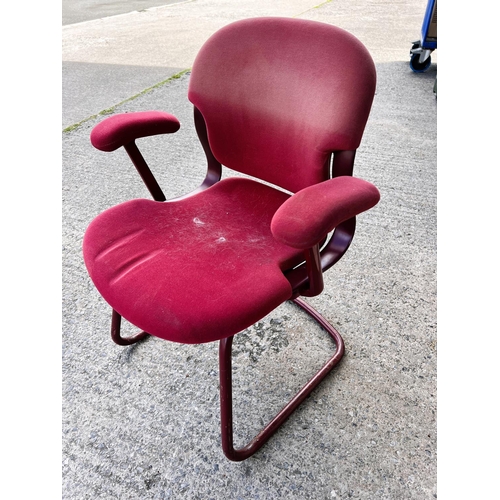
(119, 130)
(310, 214)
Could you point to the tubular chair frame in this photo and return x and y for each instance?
(306, 280)
(225, 379)
(226, 392)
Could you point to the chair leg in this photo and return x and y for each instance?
(116, 321)
(226, 402)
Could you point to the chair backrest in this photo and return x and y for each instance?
(279, 95)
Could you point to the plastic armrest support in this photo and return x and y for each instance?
(119, 130)
(310, 214)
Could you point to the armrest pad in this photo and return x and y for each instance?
(121, 129)
(310, 214)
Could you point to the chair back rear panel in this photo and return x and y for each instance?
(279, 95)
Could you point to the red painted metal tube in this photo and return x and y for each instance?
(226, 401)
(116, 321)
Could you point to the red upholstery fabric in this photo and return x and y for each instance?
(195, 270)
(279, 94)
(118, 130)
(309, 215)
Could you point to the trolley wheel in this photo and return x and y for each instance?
(417, 66)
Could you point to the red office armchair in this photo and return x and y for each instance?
(284, 101)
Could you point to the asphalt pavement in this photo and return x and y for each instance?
(79, 11)
(142, 422)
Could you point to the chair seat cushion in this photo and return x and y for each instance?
(194, 270)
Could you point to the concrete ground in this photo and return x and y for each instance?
(142, 422)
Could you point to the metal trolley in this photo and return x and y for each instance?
(420, 53)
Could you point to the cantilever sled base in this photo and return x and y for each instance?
(226, 391)
(225, 374)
